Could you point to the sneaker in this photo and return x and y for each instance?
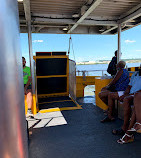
(29, 114)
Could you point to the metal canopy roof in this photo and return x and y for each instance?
(79, 16)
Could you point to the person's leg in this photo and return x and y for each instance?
(136, 117)
(128, 136)
(103, 95)
(127, 102)
(137, 104)
(112, 96)
(127, 112)
(133, 119)
(29, 100)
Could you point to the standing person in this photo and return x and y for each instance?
(112, 65)
(27, 87)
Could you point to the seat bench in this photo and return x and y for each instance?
(119, 109)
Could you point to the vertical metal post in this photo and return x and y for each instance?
(31, 57)
(13, 136)
(119, 43)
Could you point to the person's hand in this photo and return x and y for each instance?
(104, 88)
(121, 98)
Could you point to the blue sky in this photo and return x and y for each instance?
(86, 47)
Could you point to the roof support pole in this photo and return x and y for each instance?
(31, 57)
(119, 43)
(13, 134)
(28, 20)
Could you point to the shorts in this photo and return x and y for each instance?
(120, 93)
(29, 87)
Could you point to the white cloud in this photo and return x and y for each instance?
(129, 41)
(39, 41)
(138, 50)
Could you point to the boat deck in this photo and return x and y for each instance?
(78, 134)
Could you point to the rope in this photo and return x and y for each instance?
(71, 44)
(73, 50)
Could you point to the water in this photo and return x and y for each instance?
(89, 90)
(99, 67)
(91, 68)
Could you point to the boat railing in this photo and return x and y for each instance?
(91, 73)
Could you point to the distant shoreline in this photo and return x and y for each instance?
(107, 62)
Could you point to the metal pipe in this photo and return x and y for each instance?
(31, 57)
(84, 75)
(81, 72)
(119, 43)
(13, 136)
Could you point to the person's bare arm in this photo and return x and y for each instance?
(126, 93)
(138, 91)
(116, 78)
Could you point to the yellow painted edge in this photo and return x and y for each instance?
(52, 95)
(75, 102)
(34, 57)
(59, 109)
(55, 101)
(62, 109)
(67, 72)
(53, 56)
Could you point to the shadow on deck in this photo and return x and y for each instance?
(81, 136)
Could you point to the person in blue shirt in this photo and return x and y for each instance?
(127, 98)
(118, 84)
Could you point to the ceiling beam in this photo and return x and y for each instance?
(51, 15)
(40, 25)
(54, 21)
(26, 4)
(130, 11)
(38, 29)
(72, 22)
(128, 24)
(80, 30)
(98, 22)
(108, 30)
(92, 7)
(130, 17)
(60, 16)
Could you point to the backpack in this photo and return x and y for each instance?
(112, 66)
